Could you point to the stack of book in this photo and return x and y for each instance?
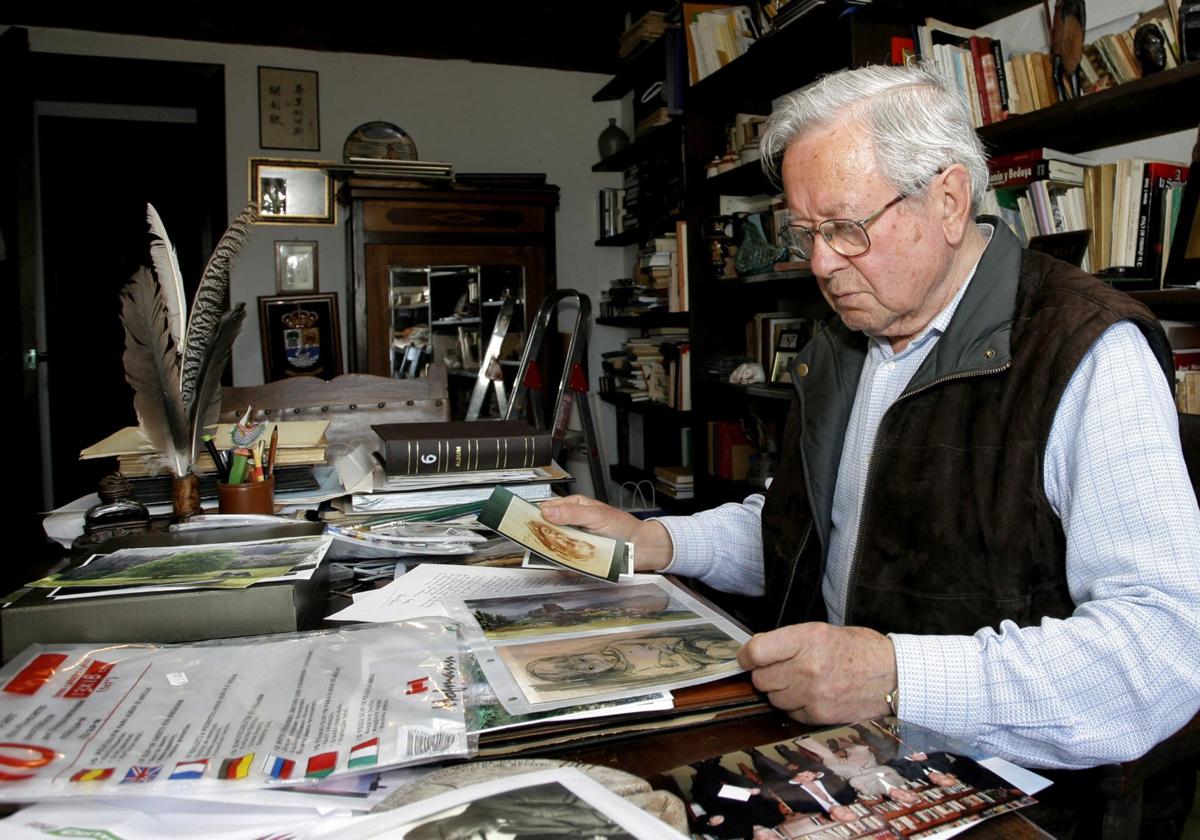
(301, 443)
(716, 36)
(649, 27)
(410, 170)
(1131, 206)
(676, 482)
(729, 450)
(433, 465)
(996, 86)
(655, 367)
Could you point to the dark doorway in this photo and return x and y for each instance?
(88, 233)
(94, 236)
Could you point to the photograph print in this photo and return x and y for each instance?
(539, 811)
(576, 610)
(221, 566)
(852, 781)
(620, 663)
(589, 554)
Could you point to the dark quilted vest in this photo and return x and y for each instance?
(956, 530)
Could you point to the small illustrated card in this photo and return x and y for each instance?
(568, 548)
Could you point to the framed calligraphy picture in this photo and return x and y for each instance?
(301, 336)
(288, 115)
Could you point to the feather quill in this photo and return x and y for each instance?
(166, 266)
(152, 369)
(208, 305)
(205, 410)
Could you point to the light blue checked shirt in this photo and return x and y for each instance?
(1118, 676)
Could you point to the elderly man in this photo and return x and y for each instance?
(982, 520)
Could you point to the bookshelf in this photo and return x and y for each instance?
(823, 41)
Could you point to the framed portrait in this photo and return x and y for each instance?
(788, 340)
(301, 336)
(292, 192)
(295, 267)
(783, 365)
(288, 116)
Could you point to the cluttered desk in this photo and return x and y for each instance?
(260, 634)
(329, 671)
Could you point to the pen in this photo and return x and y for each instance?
(218, 461)
(271, 454)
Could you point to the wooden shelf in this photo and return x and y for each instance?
(746, 179)
(652, 142)
(631, 236)
(770, 277)
(1181, 304)
(1147, 107)
(760, 390)
(647, 408)
(644, 64)
(647, 320)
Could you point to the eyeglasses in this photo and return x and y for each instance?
(845, 236)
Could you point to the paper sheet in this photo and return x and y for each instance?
(423, 590)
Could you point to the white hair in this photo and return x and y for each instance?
(918, 122)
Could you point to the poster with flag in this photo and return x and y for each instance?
(252, 721)
(321, 765)
(236, 768)
(137, 774)
(189, 770)
(365, 754)
(278, 767)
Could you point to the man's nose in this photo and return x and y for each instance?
(825, 260)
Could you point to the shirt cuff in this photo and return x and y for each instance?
(692, 549)
(940, 679)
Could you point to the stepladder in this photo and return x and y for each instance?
(528, 384)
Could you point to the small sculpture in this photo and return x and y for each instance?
(1066, 46)
(755, 254)
(247, 432)
(1150, 48)
(748, 374)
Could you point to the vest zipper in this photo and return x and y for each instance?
(853, 576)
(792, 575)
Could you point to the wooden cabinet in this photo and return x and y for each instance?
(466, 246)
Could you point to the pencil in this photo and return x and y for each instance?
(271, 454)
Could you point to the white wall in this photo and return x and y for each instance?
(1026, 31)
(479, 117)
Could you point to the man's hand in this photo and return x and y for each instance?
(819, 673)
(652, 543)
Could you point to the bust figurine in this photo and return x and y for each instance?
(1150, 48)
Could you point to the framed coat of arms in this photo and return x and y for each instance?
(300, 336)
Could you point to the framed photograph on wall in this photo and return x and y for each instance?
(288, 109)
(301, 336)
(292, 192)
(295, 267)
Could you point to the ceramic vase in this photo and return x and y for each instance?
(612, 139)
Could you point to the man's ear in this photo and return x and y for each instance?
(952, 194)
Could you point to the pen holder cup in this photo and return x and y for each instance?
(250, 497)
